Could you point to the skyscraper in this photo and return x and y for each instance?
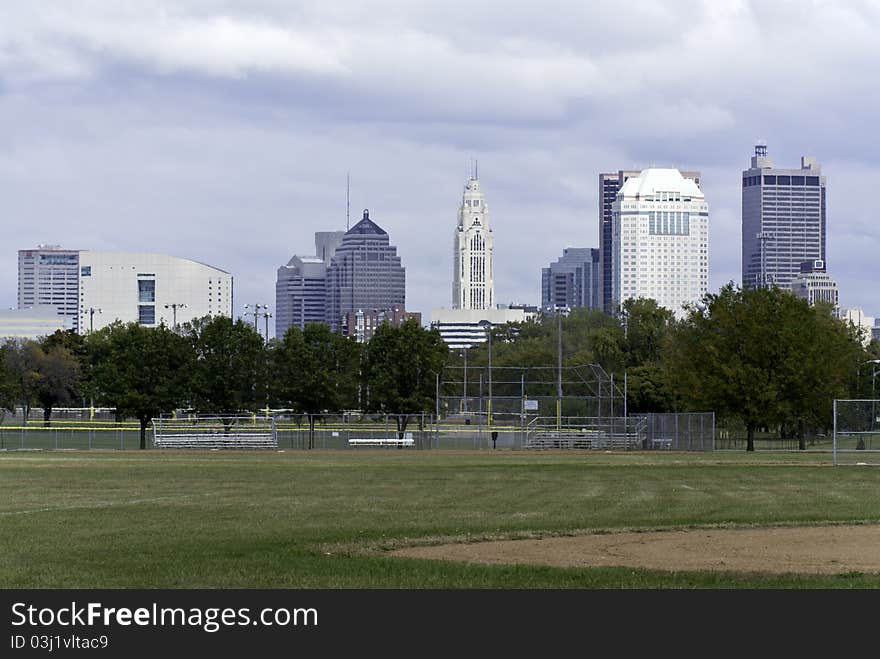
(783, 220)
(472, 278)
(660, 240)
(814, 285)
(49, 275)
(365, 273)
(573, 280)
(300, 294)
(301, 286)
(609, 186)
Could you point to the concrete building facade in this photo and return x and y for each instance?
(363, 323)
(572, 280)
(301, 285)
(149, 289)
(610, 184)
(464, 328)
(473, 284)
(660, 240)
(49, 275)
(813, 284)
(91, 289)
(365, 272)
(31, 322)
(783, 220)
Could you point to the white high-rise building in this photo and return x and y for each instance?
(49, 275)
(660, 240)
(472, 279)
(813, 284)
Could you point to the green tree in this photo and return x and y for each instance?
(316, 371)
(75, 344)
(400, 369)
(229, 376)
(647, 328)
(23, 357)
(828, 352)
(57, 379)
(761, 356)
(7, 383)
(141, 371)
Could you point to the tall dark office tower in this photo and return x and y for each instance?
(572, 280)
(783, 220)
(609, 185)
(365, 273)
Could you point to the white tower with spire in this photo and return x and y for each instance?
(472, 280)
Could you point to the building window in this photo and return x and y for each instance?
(146, 290)
(86, 271)
(147, 314)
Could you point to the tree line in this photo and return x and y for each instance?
(761, 358)
(216, 365)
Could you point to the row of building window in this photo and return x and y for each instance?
(749, 181)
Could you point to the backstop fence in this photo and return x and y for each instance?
(856, 438)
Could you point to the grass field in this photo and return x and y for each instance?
(320, 519)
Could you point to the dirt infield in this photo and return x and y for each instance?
(806, 550)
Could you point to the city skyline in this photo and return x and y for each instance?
(225, 135)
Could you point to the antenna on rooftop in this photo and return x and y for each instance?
(347, 201)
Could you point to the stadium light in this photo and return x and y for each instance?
(267, 316)
(256, 312)
(92, 311)
(174, 306)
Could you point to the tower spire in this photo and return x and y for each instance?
(347, 201)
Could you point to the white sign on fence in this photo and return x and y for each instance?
(530, 405)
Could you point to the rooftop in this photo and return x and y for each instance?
(660, 180)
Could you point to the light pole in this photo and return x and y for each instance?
(267, 316)
(488, 326)
(256, 312)
(464, 383)
(174, 306)
(556, 309)
(92, 311)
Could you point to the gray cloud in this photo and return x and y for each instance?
(223, 133)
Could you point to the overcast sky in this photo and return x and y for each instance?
(222, 131)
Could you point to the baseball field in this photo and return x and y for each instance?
(436, 519)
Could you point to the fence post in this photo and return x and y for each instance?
(480, 426)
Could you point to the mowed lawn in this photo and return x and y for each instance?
(299, 519)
